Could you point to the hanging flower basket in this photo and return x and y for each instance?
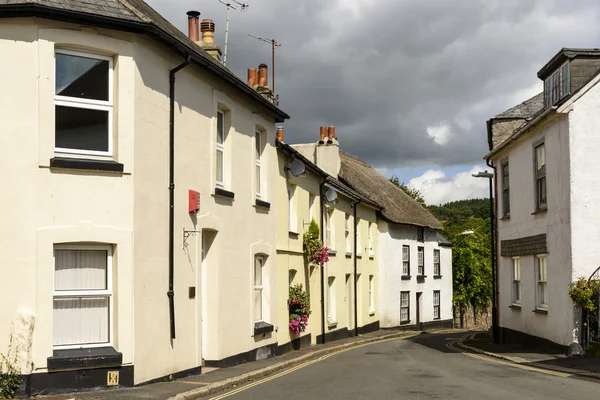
(316, 254)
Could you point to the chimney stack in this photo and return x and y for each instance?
(252, 77)
(322, 134)
(330, 134)
(193, 17)
(263, 75)
(280, 134)
(207, 27)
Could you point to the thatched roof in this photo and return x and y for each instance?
(397, 206)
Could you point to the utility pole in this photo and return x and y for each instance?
(243, 6)
(274, 44)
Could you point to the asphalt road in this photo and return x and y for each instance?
(419, 368)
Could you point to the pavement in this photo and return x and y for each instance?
(217, 380)
(582, 366)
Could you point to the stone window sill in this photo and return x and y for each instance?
(332, 324)
(359, 255)
(515, 307)
(540, 211)
(371, 257)
(348, 255)
(541, 311)
(371, 313)
(437, 277)
(224, 193)
(262, 328)
(85, 358)
(86, 164)
(505, 218)
(332, 252)
(405, 277)
(407, 322)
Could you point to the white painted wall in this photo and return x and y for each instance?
(557, 325)
(391, 239)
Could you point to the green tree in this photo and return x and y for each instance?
(414, 193)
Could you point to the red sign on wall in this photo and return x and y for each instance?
(193, 201)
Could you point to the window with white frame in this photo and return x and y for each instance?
(404, 306)
(259, 263)
(540, 177)
(292, 275)
(347, 234)
(405, 260)
(421, 261)
(311, 207)
(370, 240)
(437, 271)
(331, 300)
(329, 229)
(358, 238)
(83, 103)
(220, 150)
(371, 294)
(542, 282)
(82, 296)
(436, 304)
(291, 208)
(516, 279)
(258, 161)
(505, 189)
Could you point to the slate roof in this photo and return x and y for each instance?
(136, 16)
(397, 206)
(526, 109)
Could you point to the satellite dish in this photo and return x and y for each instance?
(297, 168)
(331, 195)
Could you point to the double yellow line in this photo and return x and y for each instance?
(300, 366)
(451, 346)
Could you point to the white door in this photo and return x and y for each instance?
(203, 297)
(349, 301)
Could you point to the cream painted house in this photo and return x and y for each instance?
(414, 260)
(123, 261)
(543, 152)
(340, 308)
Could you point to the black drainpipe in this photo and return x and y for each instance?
(171, 293)
(322, 267)
(355, 205)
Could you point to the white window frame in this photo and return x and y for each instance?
(108, 292)
(539, 176)
(329, 229)
(331, 306)
(311, 205)
(347, 234)
(370, 240)
(371, 295)
(436, 304)
(358, 240)
(220, 147)
(260, 288)
(505, 188)
(406, 260)
(557, 85)
(89, 104)
(421, 261)
(437, 266)
(516, 280)
(291, 208)
(258, 162)
(405, 305)
(541, 279)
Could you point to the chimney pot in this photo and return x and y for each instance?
(263, 75)
(330, 134)
(252, 77)
(207, 27)
(322, 134)
(193, 25)
(280, 134)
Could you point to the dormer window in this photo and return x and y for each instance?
(557, 85)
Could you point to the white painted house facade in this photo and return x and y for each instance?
(544, 154)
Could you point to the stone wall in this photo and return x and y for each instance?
(478, 321)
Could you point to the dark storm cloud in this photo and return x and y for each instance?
(384, 71)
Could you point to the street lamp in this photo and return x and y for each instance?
(490, 176)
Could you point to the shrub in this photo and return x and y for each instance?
(10, 379)
(299, 306)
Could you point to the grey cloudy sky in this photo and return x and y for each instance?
(407, 83)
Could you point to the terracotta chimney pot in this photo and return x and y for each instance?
(330, 134)
(193, 17)
(263, 75)
(252, 75)
(322, 134)
(207, 27)
(280, 134)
